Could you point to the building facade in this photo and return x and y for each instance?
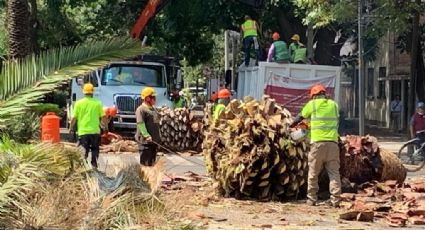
(385, 77)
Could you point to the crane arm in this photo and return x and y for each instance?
(154, 6)
(151, 9)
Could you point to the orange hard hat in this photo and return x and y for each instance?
(275, 36)
(224, 93)
(316, 89)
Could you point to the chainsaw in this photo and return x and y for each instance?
(299, 132)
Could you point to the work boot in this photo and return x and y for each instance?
(335, 204)
(311, 202)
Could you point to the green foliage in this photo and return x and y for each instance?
(42, 109)
(3, 33)
(24, 83)
(23, 128)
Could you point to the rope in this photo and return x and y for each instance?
(177, 154)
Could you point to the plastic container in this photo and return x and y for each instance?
(50, 128)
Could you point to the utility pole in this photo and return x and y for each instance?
(361, 71)
(413, 62)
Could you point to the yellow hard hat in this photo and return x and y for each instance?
(88, 88)
(148, 91)
(296, 37)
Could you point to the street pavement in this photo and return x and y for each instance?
(178, 165)
(112, 163)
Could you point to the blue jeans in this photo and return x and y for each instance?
(247, 43)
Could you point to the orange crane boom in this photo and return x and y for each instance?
(147, 14)
(154, 6)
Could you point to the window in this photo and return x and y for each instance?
(381, 82)
(370, 82)
(149, 75)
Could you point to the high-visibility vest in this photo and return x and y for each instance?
(281, 52)
(217, 110)
(324, 119)
(249, 28)
(298, 52)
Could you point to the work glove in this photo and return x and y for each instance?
(296, 121)
(148, 139)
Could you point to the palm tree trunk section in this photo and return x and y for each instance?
(18, 28)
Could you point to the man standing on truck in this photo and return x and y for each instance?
(323, 115)
(417, 123)
(278, 51)
(297, 50)
(249, 30)
(147, 133)
(88, 112)
(223, 100)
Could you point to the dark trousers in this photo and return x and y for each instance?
(147, 154)
(247, 43)
(395, 121)
(91, 142)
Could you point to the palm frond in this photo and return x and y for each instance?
(35, 194)
(24, 82)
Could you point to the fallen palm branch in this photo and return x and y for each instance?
(41, 187)
(26, 81)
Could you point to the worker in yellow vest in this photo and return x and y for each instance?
(223, 99)
(88, 113)
(297, 50)
(249, 30)
(324, 151)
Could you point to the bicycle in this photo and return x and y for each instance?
(412, 155)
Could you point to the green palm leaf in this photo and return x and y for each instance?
(24, 82)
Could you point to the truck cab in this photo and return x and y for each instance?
(119, 85)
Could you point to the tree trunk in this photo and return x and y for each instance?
(413, 62)
(310, 42)
(327, 51)
(287, 27)
(18, 28)
(33, 26)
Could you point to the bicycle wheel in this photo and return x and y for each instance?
(412, 156)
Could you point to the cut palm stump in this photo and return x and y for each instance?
(250, 154)
(180, 129)
(362, 160)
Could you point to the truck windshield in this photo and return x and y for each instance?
(149, 75)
